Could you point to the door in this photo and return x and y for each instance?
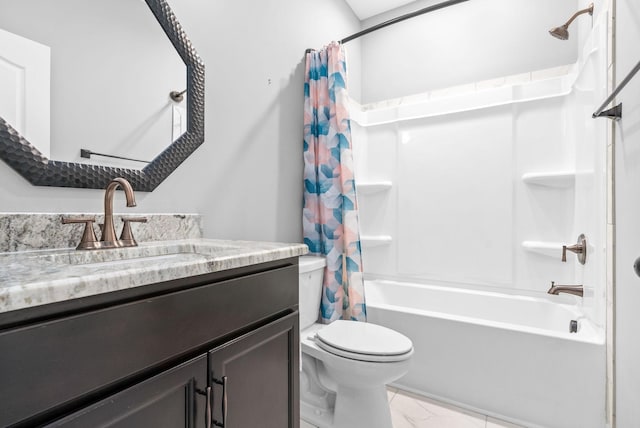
(175, 398)
(255, 378)
(25, 88)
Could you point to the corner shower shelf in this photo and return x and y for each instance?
(549, 249)
(559, 179)
(370, 187)
(375, 240)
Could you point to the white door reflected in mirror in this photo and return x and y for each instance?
(25, 67)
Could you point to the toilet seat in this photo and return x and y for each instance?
(364, 342)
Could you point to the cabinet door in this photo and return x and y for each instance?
(173, 399)
(260, 372)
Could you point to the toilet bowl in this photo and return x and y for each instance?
(346, 364)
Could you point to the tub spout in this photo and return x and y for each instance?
(576, 290)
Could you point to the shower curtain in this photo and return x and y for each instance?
(330, 213)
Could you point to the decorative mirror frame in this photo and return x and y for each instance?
(29, 162)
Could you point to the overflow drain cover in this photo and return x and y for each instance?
(573, 326)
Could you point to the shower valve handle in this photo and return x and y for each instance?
(573, 248)
(580, 249)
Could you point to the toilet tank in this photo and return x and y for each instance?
(311, 270)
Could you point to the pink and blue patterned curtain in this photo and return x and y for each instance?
(330, 214)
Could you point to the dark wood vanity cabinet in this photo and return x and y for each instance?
(254, 376)
(207, 351)
(172, 399)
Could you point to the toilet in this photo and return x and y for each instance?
(345, 365)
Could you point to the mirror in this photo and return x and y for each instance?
(92, 78)
(112, 100)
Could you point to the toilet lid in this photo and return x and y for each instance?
(364, 341)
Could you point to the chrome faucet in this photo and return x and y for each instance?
(576, 290)
(109, 239)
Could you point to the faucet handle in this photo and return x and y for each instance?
(126, 237)
(573, 248)
(580, 249)
(89, 240)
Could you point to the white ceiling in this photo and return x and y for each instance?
(367, 8)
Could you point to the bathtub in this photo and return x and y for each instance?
(502, 355)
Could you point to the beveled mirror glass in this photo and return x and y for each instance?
(102, 104)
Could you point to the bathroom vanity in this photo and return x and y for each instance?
(190, 333)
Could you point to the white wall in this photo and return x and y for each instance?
(627, 215)
(468, 42)
(246, 178)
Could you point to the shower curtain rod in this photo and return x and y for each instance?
(615, 112)
(399, 19)
(402, 18)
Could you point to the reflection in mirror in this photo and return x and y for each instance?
(39, 170)
(112, 68)
(24, 87)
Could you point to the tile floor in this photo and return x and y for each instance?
(413, 411)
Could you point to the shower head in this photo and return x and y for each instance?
(562, 32)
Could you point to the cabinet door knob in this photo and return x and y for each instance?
(222, 382)
(208, 415)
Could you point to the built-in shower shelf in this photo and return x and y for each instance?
(370, 187)
(558, 179)
(546, 248)
(375, 240)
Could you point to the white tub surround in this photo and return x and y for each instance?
(481, 185)
(504, 355)
(32, 278)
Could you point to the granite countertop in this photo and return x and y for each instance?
(31, 278)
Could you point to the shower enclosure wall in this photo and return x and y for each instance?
(476, 189)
